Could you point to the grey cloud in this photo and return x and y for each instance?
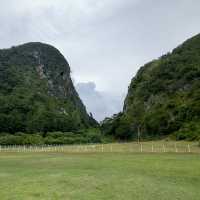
(100, 104)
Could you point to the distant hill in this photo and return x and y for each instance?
(37, 93)
(163, 98)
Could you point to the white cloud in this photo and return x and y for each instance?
(104, 41)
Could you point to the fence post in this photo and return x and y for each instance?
(152, 148)
(130, 149)
(189, 148)
(141, 149)
(111, 149)
(164, 148)
(102, 148)
(176, 150)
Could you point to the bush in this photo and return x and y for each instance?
(93, 135)
(21, 139)
(83, 136)
(190, 131)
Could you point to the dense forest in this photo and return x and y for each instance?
(163, 98)
(37, 94)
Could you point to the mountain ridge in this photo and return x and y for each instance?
(35, 83)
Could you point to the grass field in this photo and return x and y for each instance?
(90, 176)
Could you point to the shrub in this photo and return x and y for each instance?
(190, 131)
(21, 139)
(83, 136)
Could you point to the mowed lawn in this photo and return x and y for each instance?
(90, 176)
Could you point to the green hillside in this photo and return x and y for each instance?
(37, 93)
(163, 98)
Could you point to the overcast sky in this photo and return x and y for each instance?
(104, 41)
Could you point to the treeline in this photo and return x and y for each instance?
(120, 129)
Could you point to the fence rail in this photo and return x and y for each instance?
(144, 147)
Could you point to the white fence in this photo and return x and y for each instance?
(144, 147)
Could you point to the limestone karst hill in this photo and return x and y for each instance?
(163, 98)
(37, 93)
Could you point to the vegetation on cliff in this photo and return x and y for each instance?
(163, 98)
(36, 92)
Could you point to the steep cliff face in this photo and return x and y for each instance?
(36, 91)
(164, 97)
